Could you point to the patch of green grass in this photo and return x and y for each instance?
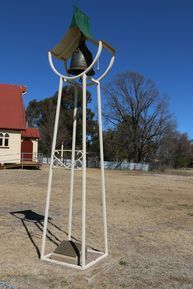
(186, 206)
(123, 263)
(123, 285)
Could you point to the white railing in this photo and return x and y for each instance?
(60, 161)
(21, 158)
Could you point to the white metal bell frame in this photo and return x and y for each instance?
(73, 81)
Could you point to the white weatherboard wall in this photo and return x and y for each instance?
(12, 153)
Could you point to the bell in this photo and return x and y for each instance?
(81, 60)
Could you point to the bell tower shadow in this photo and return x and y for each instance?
(29, 216)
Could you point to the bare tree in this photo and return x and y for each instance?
(136, 108)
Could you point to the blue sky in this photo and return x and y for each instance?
(152, 37)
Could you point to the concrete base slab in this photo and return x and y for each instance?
(91, 274)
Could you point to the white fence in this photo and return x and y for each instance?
(126, 166)
(107, 164)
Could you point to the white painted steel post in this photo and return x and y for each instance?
(84, 171)
(72, 164)
(62, 152)
(51, 167)
(102, 168)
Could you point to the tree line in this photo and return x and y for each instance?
(139, 125)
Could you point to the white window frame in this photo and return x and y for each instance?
(4, 136)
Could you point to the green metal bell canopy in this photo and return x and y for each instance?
(73, 45)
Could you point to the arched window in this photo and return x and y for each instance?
(6, 142)
(1, 139)
(4, 139)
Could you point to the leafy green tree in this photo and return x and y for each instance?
(41, 114)
(175, 150)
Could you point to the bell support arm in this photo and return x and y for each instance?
(79, 75)
(106, 71)
(93, 80)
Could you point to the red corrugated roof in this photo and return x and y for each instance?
(30, 133)
(12, 112)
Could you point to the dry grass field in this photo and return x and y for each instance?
(150, 225)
